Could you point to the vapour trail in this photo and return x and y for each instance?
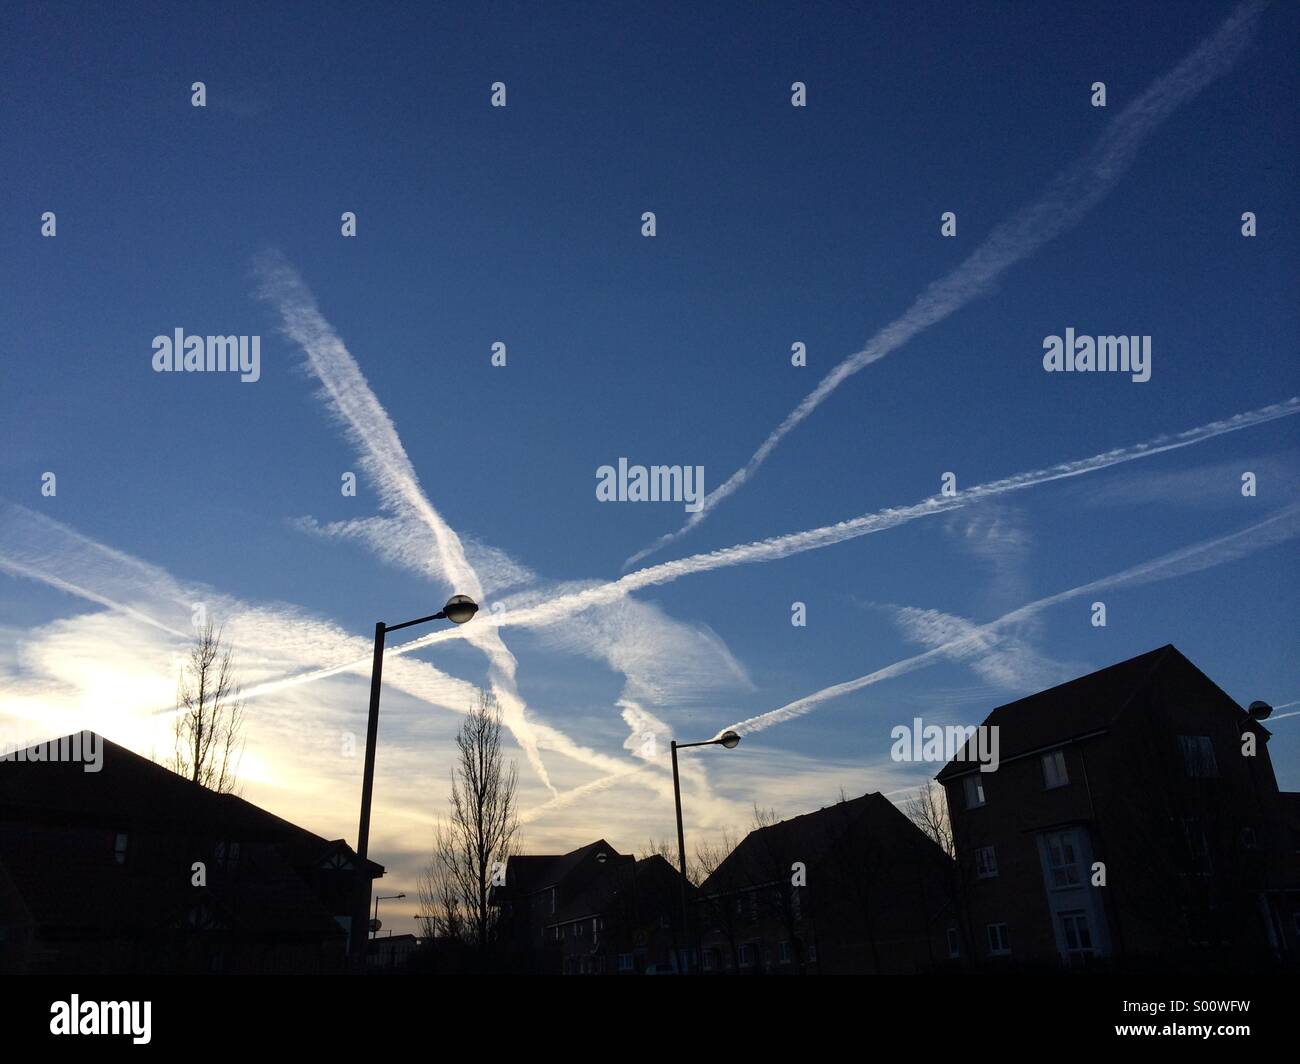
(1071, 194)
(1275, 529)
(798, 542)
(384, 460)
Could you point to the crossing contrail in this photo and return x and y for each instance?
(384, 460)
(795, 543)
(1071, 194)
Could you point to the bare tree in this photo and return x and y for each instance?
(480, 829)
(439, 891)
(209, 715)
(928, 810)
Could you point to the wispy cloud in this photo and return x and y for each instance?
(553, 610)
(1070, 196)
(388, 468)
(1281, 526)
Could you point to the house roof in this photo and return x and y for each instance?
(767, 851)
(1079, 707)
(62, 881)
(529, 873)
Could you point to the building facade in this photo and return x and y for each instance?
(1133, 821)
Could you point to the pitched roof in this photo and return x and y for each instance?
(810, 837)
(1079, 707)
(528, 873)
(130, 789)
(64, 883)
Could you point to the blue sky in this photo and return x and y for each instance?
(522, 224)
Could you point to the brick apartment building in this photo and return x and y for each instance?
(592, 911)
(854, 887)
(97, 875)
(1134, 822)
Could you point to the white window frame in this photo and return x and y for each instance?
(973, 789)
(986, 863)
(1055, 842)
(1003, 949)
(954, 943)
(1055, 774)
(1072, 919)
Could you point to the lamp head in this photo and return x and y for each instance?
(729, 739)
(460, 608)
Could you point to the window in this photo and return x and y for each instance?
(999, 943)
(710, 960)
(580, 928)
(787, 953)
(552, 901)
(1198, 755)
(559, 932)
(1062, 863)
(954, 943)
(974, 786)
(986, 863)
(1249, 840)
(1078, 937)
(595, 925)
(745, 954)
(625, 962)
(811, 953)
(119, 847)
(1054, 774)
(796, 904)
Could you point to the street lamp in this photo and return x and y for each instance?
(459, 609)
(374, 926)
(728, 740)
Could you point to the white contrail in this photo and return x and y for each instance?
(384, 459)
(1275, 529)
(1072, 193)
(783, 546)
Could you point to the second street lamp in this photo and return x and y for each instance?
(374, 924)
(459, 609)
(729, 740)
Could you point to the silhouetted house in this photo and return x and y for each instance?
(853, 887)
(391, 953)
(1133, 820)
(98, 873)
(592, 911)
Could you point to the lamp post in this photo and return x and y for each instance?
(374, 926)
(729, 740)
(459, 609)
